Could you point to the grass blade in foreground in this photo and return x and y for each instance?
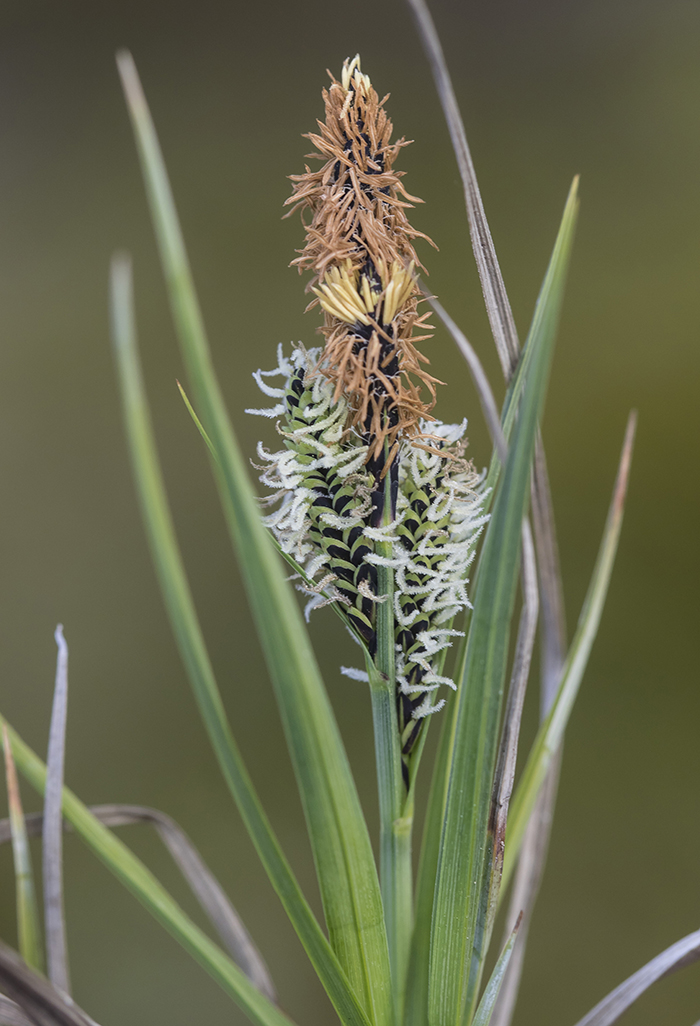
(492, 989)
(463, 856)
(44, 1005)
(188, 635)
(338, 833)
(552, 730)
(684, 952)
(28, 931)
(144, 886)
(12, 1015)
(52, 835)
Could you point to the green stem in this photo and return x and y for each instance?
(395, 826)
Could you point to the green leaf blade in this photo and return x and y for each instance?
(339, 837)
(455, 963)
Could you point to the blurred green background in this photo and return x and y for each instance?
(607, 88)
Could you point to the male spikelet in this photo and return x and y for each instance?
(359, 246)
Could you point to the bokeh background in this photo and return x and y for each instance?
(607, 88)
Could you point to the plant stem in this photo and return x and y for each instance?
(395, 827)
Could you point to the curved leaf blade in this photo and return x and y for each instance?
(52, 835)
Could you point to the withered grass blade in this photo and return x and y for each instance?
(52, 833)
(204, 885)
(12, 1015)
(497, 304)
(481, 382)
(41, 1002)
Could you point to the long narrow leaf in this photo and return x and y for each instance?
(152, 895)
(681, 954)
(204, 885)
(493, 987)
(52, 836)
(188, 635)
(463, 854)
(552, 730)
(339, 837)
(28, 930)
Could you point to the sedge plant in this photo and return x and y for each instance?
(439, 570)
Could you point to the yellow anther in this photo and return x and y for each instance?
(352, 75)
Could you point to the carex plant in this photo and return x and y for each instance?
(372, 510)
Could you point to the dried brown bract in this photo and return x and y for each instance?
(359, 246)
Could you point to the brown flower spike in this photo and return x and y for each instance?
(359, 246)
